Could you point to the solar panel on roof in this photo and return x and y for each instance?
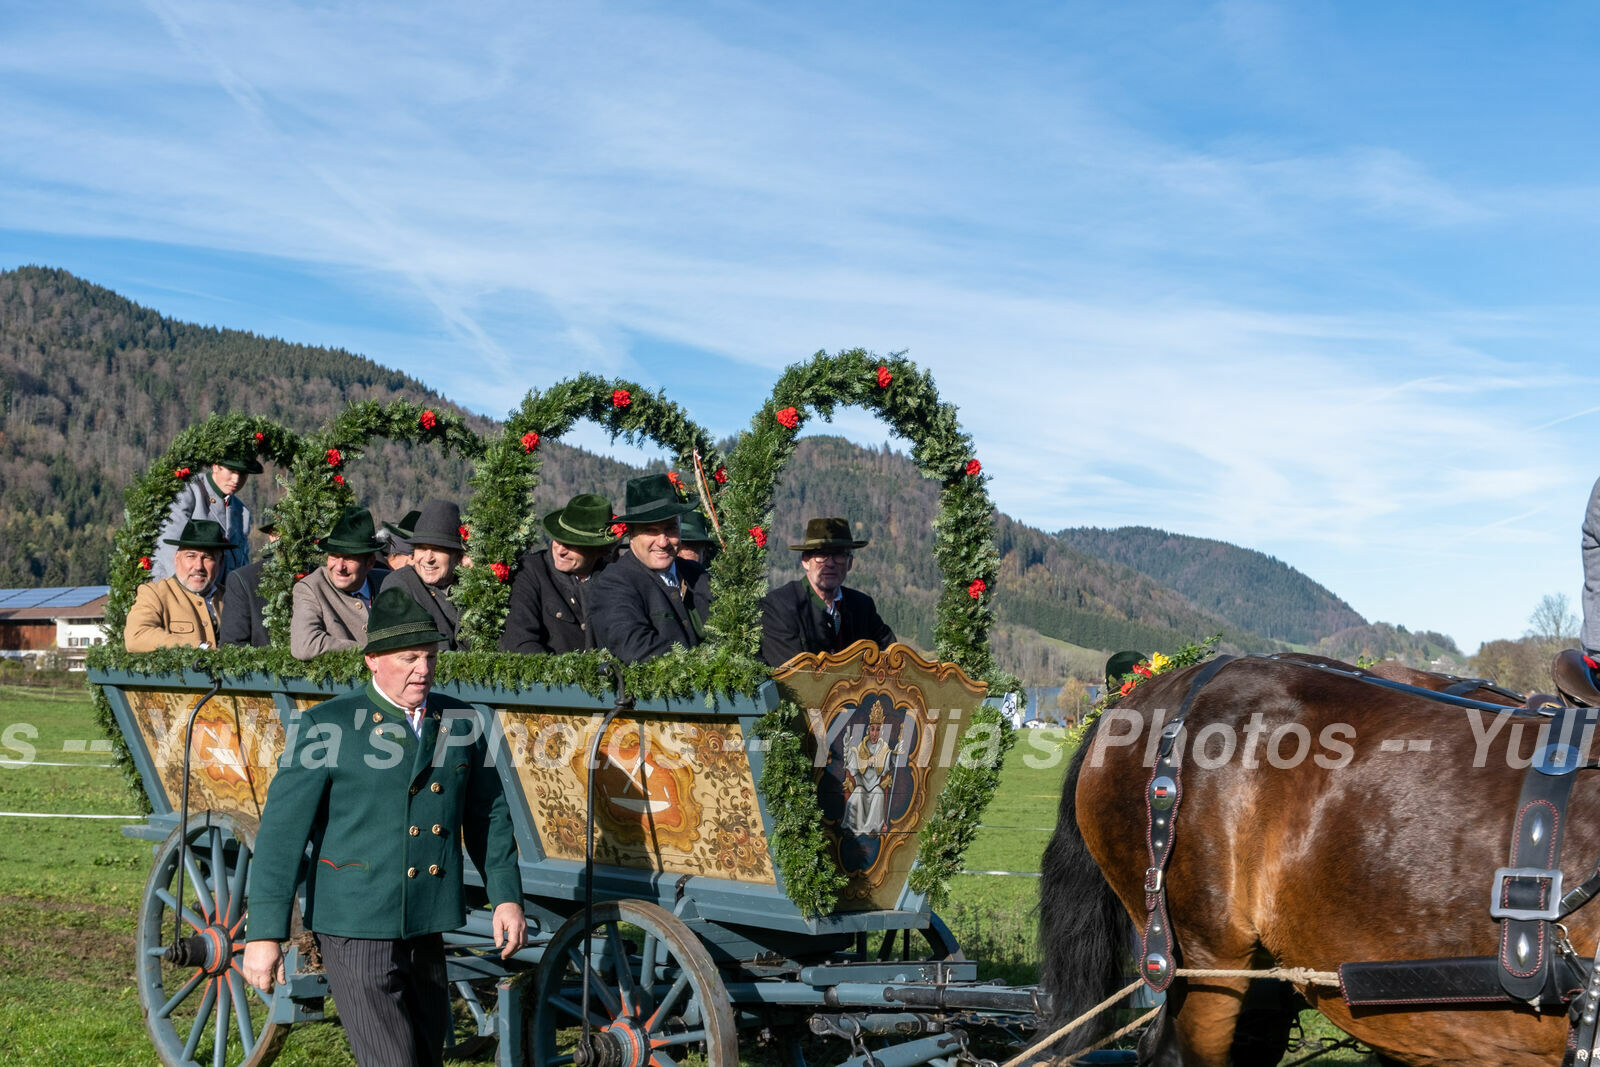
(30, 598)
(55, 596)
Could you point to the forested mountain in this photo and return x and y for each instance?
(92, 387)
(1254, 592)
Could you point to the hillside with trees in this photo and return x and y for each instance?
(1253, 591)
(92, 386)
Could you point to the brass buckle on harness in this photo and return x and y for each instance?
(1505, 911)
(1152, 879)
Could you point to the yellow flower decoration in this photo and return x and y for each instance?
(1159, 663)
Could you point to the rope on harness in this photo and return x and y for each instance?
(1292, 975)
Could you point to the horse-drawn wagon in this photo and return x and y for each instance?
(702, 871)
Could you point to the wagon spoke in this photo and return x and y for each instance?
(200, 1017)
(688, 1037)
(182, 994)
(241, 1011)
(597, 986)
(576, 1012)
(219, 1039)
(219, 873)
(241, 874)
(197, 880)
(665, 1007)
(648, 971)
(628, 988)
(190, 917)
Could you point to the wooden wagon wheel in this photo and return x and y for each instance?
(197, 1005)
(655, 996)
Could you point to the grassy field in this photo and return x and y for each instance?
(69, 889)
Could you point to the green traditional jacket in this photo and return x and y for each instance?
(386, 813)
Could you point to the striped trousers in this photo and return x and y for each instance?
(392, 997)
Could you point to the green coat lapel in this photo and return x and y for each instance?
(422, 759)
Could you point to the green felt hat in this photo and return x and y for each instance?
(398, 621)
(692, 529)
(402, 530)
(829, 534)
(1122, 663)
(353, 534)
(584, 523)
(652, 498)
(269, 520)
(242, 464)
(201, 533)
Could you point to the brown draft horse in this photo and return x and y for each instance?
(1379, 842)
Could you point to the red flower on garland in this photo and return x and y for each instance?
(973, 467)
(1127, 687)
(501, 571)
(181, 473)
(884, 377)
(429, 420)
(721, 476)
(260, 436)
(144, 561)
(338, 479)
(464, 532)
(676, 479)
(977, 588)
(334, 458)
(1143, 670)
(758, 535)
(789, 417)
(530, 441)
(620, 398)
(618, 529)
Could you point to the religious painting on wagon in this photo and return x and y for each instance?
(884, 728)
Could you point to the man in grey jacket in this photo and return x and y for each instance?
(331, 603)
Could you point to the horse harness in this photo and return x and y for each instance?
(1537, 965)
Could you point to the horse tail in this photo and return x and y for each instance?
(1083, 929)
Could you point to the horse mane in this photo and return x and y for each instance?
(1480, 689)
(1083, 929)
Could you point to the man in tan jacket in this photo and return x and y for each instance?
(183, 609)
(331, 603)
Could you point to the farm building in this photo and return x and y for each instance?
(64, 620)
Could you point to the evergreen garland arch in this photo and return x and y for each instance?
(904, 396)
(318, 491)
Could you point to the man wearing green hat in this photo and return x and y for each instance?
(211, 494)
(331, 603)
(244, 614)
(649, 600)
(385, 784)
(550, 593)
(695, 542)
(817, 613)
(181, 609)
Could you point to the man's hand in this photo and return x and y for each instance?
(510, 929)
(263, 963)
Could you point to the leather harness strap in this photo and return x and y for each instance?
(1162, 795)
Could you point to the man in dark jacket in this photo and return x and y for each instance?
(649, 600)
(436, 551)
(817, 613)
(550, 593)
(243, 611)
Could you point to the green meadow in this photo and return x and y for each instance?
(69, 888)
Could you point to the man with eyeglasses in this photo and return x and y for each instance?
(817, 613)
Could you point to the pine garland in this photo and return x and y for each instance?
(503, 528)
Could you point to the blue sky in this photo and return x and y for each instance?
(1314, 278)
